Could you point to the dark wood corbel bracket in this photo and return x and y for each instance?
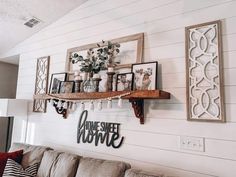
(138, 106)
(61, 110)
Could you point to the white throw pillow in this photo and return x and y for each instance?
(13, 169)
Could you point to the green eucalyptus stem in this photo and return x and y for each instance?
(99, 60)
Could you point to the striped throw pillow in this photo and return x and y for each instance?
(13, 169)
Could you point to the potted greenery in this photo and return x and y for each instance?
(103, 58)
(108, 51)
(96, 60)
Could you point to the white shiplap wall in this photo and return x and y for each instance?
(153, 146)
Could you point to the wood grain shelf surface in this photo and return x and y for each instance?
(141, 94)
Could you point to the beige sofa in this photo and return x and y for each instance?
(61, 164)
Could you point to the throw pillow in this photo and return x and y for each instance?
(13, 169)
(16, 156)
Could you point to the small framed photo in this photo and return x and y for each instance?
(145, 75)
(67, 87)
(124, 81)
(56, 78)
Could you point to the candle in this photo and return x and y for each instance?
(96, 76)
(76, 73)
(110, 69)
(78, 78)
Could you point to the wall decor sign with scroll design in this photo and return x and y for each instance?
(204, 72)
(41, 83)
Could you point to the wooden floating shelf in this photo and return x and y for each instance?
(142, 94)
(135, 97)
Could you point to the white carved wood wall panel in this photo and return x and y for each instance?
(204, 72)
(41, 83)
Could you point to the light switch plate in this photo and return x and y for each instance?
(192, 143)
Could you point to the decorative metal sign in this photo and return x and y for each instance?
(98, 132)
(41, 83)
(205, 98)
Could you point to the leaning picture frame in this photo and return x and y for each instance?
(67, 87)
(124, 81)
(145, 75)
(56, 79)
(131, 51)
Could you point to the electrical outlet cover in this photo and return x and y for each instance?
(192, 143)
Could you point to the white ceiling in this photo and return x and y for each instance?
(14, 13)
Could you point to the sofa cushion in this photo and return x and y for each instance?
(58, 164)
(101, 168)
(46, 164)
(32, 154)
(66, 165)
(140, 173)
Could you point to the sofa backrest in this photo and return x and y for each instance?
(140, 173)
(32, 154)
(90, 167)
(58, 164)
(61, 164)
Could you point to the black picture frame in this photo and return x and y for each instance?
(70, 83)
(146, 69)
(128, 87)
(56, 78)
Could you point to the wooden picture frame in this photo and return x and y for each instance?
(147, 69)
(204, 72)
(127, 84)
(55, 84)
(41, 83)
(138, 38)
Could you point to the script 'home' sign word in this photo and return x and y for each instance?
(98, 132)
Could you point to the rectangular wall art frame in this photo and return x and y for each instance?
(131, 51)
(145, 75)
(41, 83)
(204, 72)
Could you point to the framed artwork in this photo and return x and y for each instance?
(56, 78)
(131, 51)
(67, 86)
(41, 83)
(204, 72)
(124, 81)
(103, 82)
(145, 75)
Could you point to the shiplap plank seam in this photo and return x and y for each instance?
(118, 29)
